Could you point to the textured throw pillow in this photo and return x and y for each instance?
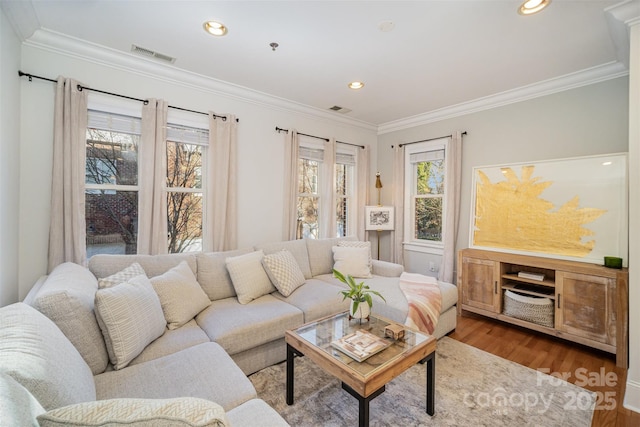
(357, 244)
(352, 261)
(130, 316)
(180, 295)
(130, 272)
(248, 276)
(284, 272)
(181, 411)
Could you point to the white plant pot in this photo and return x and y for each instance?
(363, 311)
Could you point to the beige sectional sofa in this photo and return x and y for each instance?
(210, 340)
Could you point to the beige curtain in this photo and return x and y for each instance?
(290, 199)
(453, 152)
(327, 209)
(67, 229)
(221, 198)
(397, 197)
(152, 195)
(362, 184)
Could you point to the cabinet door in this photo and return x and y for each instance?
(480, 284)
(586, 306)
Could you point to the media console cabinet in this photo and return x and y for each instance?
(591, 302)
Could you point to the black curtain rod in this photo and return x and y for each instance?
(426, 140)
(318, 137)
(144, 101)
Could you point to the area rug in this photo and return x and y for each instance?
(473, 388)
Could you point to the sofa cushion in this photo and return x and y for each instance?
(205, 371)
(130, 317)
(35, 353)
(255, 412)
(352, 261)
(18, 407)
(121, 276)
(283, 271)
(183, 411)
(358, 244)
(103, 265)
(248, 276)
(238, 327)
(213, 275)
(316, 299)
(180, 295)
(321, 254)
(297, 247)
(172, 341)
(66, 297)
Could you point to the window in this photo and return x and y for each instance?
(425, 200)
(111, 183)
(185, 148)
(308, 195)
(345, 190)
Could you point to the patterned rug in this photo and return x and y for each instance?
(473, 388)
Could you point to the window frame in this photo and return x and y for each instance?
(351, 189)
(410, 243)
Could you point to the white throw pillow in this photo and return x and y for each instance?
(352, 261)
(181, 411)
(130, 272)
(180, 295)
(357, 244)
(130, 316)
(248, 276)
(284, 271)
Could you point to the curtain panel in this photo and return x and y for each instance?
(327, 208)
(397, 198)
(290, 211)
(67, 229)
(453, 161)
(221, 198)
(152, 175)
(362, 180)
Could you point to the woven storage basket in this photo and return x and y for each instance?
(534, 310)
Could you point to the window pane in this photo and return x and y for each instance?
(341, 179)
(430, 177)
(184, 217)
(307, 176)
(428, 212)
(342, 217)
(184, 165)
(112, 158)
(307, 218)
(112, 222)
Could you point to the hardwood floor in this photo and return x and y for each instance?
(589, 368)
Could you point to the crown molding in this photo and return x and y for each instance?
(22, 17)
(585, 77)
(62, 44)
(627, 12)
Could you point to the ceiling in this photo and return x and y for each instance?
(439, 53)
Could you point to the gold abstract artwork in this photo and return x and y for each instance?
(511, 214)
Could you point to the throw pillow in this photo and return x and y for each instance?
(284, 272)
(357, 244)
(352, 261)
(181, 411)
(130, 272)
(180, 295)
(130, 316)
(248, 276)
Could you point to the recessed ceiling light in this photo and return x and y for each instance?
(356, 85)
(215, 28)
(530, 7)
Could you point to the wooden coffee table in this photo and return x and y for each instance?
(363, 380)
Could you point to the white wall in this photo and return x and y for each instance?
(584, 121)
(9, 161)
(261, 149)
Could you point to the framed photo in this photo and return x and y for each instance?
(379, 218)
(573, 209)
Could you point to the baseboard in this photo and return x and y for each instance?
(632, 396)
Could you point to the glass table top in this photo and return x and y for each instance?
(321, 333)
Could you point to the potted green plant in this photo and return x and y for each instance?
(359, 293)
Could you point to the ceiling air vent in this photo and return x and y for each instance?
(152, 54)
(339, 109)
